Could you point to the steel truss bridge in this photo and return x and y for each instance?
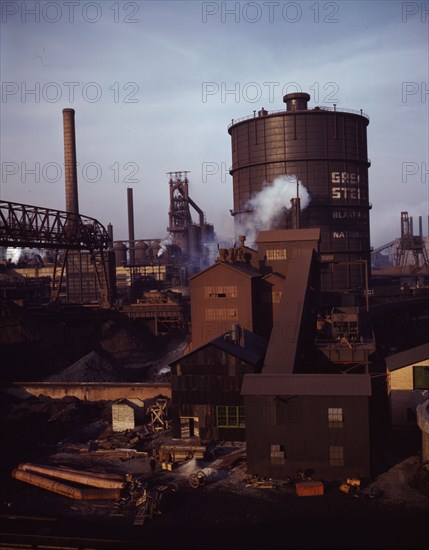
(36, 227)
(23, 225)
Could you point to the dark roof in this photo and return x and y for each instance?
(288, 235)
(274, 275)
(251, 350)
(242, 267)
(306, 384)
(408, 357)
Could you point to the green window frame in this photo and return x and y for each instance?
(229, 416)
(420, 377)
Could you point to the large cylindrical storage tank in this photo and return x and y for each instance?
(141, 253)
(326, 149)
(120, 250)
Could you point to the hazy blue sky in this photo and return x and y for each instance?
(155, 85)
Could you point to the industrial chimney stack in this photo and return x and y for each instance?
(72, 204)
(131, 237)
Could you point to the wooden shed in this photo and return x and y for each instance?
(124, 413)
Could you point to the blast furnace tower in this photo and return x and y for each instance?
(326, 149)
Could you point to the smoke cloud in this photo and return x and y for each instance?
(164, 243)
(31, 255)
(268, 208)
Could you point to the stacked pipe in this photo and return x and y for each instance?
(89, 485)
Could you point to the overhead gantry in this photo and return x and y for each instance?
(23, 225)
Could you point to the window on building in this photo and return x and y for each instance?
(220, 313)
(335, 417)
(277, 297)
(336, 455)
(271, 297)
(228, 416)
(220, 291)
(277, 454)
(276, 254)
(420, 378)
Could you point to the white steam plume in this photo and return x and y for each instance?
(164, 243)
(267, 207)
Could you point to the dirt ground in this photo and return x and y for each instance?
(231, 510)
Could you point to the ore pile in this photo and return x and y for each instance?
(26, 426)
(90, 368)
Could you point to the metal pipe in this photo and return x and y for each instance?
(296, 210)
(84, 478)
(64, 489)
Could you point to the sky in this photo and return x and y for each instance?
(155, 84)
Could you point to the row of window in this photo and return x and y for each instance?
(220, 313)
(220, 291)
(231, 292)
(228, 416)
(276, 254)
(336, 455)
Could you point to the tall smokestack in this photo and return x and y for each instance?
(131, 225)
(72, 203)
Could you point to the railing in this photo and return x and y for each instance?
(37, 227)
(283, 111)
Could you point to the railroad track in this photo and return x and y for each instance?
(14, 541)
(44, 533)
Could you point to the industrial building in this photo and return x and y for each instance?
(305, 287)
(281, 325)
(314, 365)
